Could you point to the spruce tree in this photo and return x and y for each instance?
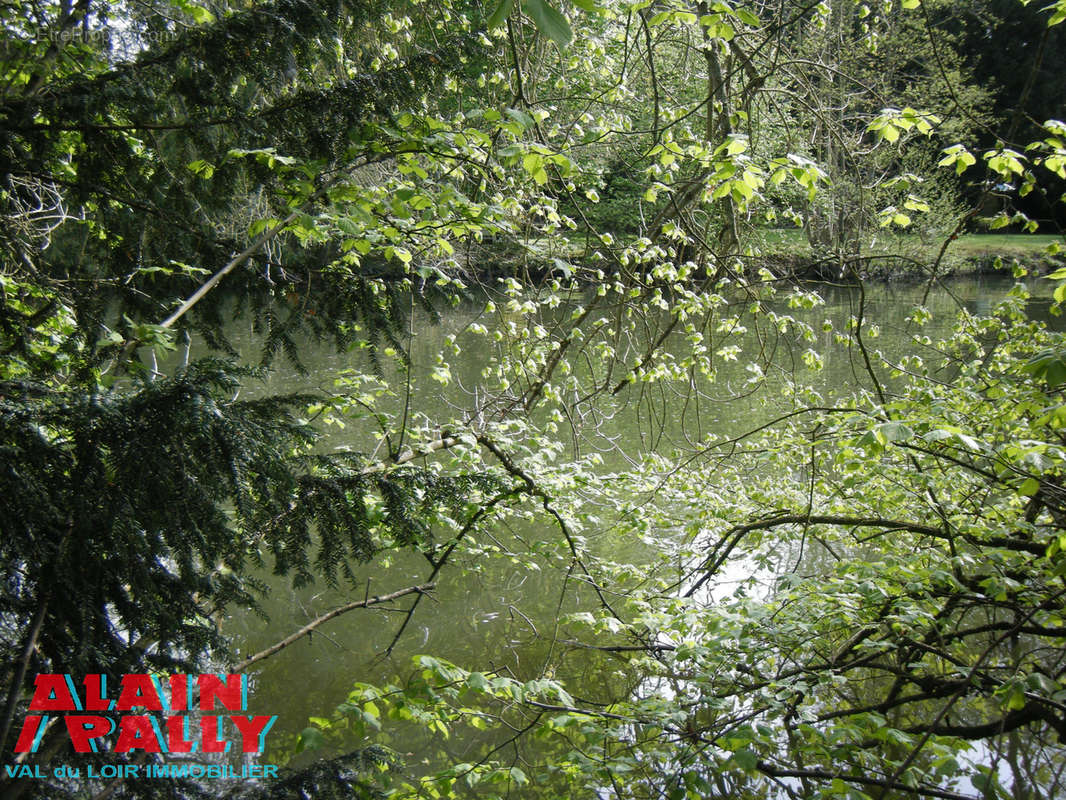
(138, 151)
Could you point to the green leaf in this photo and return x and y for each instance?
(531, 162)
(199, 14)
(565, 267)
(549, 21)
(1029, 488)
(1037, 681)
(521, 117)
(311, 738)
(913, 203)
(1017, 699)
(1055, 375)
(746, 760)
(896, 431)
(747, 17)
(202, 168)
(500, 13)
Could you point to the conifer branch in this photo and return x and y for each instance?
(32, 635)
(20, 673)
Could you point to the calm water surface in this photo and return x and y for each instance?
(505, 616)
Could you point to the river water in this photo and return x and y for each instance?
(502, 612)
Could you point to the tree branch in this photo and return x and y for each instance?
(308, 628)
(862, 780)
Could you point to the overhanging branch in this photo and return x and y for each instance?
(862, 780)
(309, 627)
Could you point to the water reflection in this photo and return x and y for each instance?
(501, 610)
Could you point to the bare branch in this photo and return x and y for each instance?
(309, 627)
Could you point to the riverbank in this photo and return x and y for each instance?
(910, 256)
(788, 254)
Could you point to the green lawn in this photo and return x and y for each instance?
(970, 245)
(1005, 244)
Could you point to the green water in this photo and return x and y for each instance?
(503, 616)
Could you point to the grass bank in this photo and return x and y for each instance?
(892, 255)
